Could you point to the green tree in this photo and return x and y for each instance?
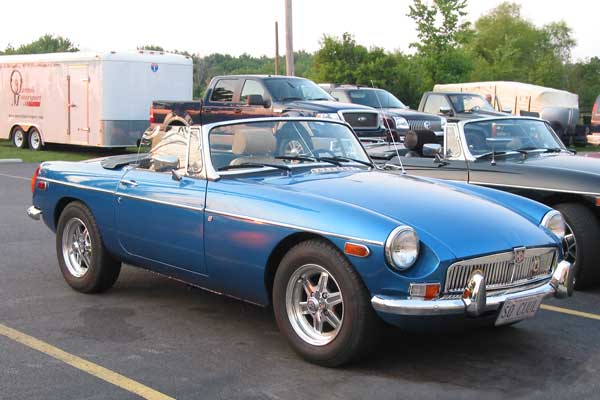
(442, 33)
(45, 44)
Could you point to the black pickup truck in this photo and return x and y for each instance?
(254, 96)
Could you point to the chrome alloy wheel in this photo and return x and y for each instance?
(293, 148)
(314, 304)
(77, 247)
(19, 138)
(570, 248)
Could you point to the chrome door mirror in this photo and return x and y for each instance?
(431, 149)
(446, 110)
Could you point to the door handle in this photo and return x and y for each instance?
(126, 182)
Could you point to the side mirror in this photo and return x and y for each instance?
(256, 100)
(446, 111)
(507, 110)
(431, 149)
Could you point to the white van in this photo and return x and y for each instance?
(90, 99)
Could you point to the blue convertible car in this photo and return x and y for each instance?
(333, 243)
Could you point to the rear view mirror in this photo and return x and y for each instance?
(446, 111)
(497, 142)
(256, 100)
(507, 110)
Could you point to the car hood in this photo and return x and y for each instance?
(411, 114)
(324, 106)
(554, 172)
(465, 223)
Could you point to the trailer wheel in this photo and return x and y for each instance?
(35, 139)
(19, 138)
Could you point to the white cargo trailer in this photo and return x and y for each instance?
(90, 99)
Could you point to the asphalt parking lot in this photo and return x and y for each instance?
(158, 338)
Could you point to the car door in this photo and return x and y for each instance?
(161, 219)
(452, 166)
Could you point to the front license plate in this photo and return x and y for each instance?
(518, 309)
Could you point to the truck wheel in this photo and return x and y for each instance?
(84, 262)
(35, 139)
(322, 306)
(581, 243)
(19, 138)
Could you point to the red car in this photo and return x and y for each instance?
(596, 116)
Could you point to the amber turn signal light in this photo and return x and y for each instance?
(357, 250)
(427, 291)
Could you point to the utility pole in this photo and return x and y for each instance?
(289, 40)
(276, 48)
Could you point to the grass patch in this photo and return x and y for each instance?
(589, 148)
(53, 152)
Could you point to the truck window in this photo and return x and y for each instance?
(223, 91)
(434, 103)
(251, 87)
(338, 95)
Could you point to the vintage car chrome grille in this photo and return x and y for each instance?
(419, 125)
(362, 119)
(503, 270)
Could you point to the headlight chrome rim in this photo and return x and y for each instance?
(548, 220)
(401, 122)
(394, 235)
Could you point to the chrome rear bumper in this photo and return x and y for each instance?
(34, 213)
(476, 301)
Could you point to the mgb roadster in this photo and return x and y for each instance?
(335, 245)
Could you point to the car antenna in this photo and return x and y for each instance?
(387, 126)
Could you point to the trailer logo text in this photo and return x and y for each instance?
(23, 96)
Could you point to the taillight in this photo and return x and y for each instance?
(595, 110)
(151, 114)
(34, 179)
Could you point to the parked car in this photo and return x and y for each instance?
(457, 106)
(77, 98)
(558, 107)
(399, 118)
(254, 96)
(596, 116)
(333, 244)
(523, 156)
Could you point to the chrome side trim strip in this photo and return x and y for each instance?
(290, 226)
(534, 188)
(75, 185)
(166, 203)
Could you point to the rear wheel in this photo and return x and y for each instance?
(581, 243)
(35, 139)
(19, 138)
(84, 262)
(321, 305)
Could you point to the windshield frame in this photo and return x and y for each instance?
(465, 147)
(212, 174)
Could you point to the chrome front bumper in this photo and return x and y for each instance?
(475, 300)
(34, 213)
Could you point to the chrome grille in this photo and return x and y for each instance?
(420, 125)
(362, 119)
(501, 271)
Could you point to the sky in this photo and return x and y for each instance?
(247, 26)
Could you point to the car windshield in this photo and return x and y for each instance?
(376, 98)
(289, 89)
(510, 135)
(282, 143)
(470, 103)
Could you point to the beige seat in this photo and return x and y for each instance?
(253, 145)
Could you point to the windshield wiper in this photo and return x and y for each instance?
(291, 98)
(297, 158)
(255, 165)
(553, 150)
(347, 159)
(319, 98)
(492, 154)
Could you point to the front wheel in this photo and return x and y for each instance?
(84, 262)
(581, 243)
(19, 138)
(321, 305)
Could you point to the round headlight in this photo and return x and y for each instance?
(555, 223)
(402, 247)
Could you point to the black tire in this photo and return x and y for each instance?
(35, 140)
(360, 326)
(103, 270)
(19, 138)
(586, 229)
